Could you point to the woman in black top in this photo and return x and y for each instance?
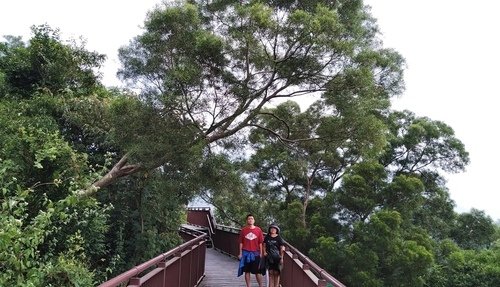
(274, 249)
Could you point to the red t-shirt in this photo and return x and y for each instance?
(251, 238)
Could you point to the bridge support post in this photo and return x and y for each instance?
(163, 265)
(135, 281)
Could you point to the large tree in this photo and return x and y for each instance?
(207, 68)
(303, 155)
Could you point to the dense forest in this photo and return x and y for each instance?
(96, 179)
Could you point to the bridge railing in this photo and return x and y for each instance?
(183, 266)
(314, 273)
(299, 271)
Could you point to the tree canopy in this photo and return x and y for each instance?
(207, 69)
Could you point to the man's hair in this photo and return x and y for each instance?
(248, 215)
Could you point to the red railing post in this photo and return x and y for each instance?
(172, 274)
(134, 281)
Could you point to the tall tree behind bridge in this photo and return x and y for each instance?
(205, 71)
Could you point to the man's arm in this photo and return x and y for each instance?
(261, 239)
(240, 238)
(282, 250)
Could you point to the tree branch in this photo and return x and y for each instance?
(120, 169)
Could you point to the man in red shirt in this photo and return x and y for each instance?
(251, 239)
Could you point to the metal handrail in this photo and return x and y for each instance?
(152, 262)
(228, 228)
(320, 272)
(191, 231)
(199, 208)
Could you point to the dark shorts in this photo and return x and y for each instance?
(275, 267)
(253, 267)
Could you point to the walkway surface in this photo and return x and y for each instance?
(221, 271)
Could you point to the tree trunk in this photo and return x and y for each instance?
(306, 201)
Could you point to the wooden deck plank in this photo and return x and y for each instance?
(221, 271)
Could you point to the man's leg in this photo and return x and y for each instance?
(247, 278)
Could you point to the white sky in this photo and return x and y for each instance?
(452, 50)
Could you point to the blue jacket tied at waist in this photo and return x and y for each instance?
(247, 257)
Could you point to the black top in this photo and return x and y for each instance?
(273, 247)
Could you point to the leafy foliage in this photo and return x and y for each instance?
(473, 230)
(51, 246)
(46, 64)
(49, 236)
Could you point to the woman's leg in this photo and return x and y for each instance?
(277, 279)
(271, 278)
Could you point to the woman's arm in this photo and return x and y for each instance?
(282, 250)
(264, 245)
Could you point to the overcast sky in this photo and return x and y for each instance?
(452, 49)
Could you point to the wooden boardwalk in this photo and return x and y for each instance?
(221, 271)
